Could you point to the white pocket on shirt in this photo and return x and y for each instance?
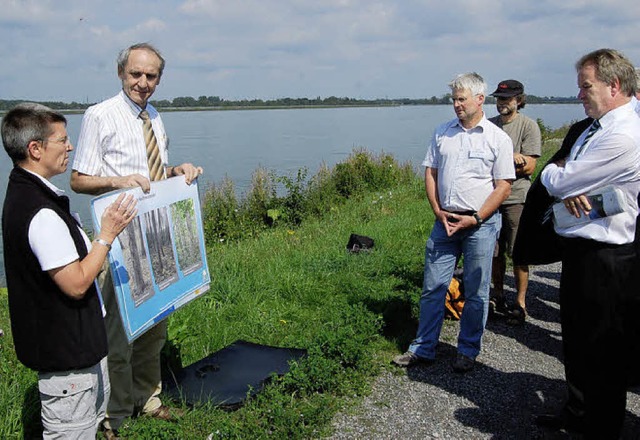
(480, 160)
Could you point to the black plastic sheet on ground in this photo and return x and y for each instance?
(227, 377)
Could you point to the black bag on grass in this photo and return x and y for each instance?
(359, 243)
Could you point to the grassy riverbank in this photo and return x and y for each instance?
(293, 288)
(289, 283)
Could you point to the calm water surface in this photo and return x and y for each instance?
(235, 143)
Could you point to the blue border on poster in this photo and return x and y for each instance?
(186, 287)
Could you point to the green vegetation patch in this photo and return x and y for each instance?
(286, 280)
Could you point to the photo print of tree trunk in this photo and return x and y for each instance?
(185, 231)
(163, 261)
(159, 261)
(136, 262)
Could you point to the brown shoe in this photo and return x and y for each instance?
(110, 434)
(409, 359)
(165, 413)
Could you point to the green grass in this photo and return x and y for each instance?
(290, 286)
(293, 288)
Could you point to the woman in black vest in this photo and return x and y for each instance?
(50, 264)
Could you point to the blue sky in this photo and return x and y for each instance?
(236, 49)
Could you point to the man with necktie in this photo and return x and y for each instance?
(599, 297)
(636, 99)
(123, 144)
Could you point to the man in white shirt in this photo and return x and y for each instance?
(599, 295)
(112, 154)
(468, 174)
(637, 97)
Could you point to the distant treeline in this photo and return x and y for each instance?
(332, 101)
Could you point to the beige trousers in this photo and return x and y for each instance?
(134, 369)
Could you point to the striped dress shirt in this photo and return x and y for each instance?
(111, 141)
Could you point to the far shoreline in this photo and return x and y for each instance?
(286, 107)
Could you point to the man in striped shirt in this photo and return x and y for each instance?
(111, 155)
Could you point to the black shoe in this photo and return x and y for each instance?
(516, 316)
(463, 364)
(559, 422)
(498, 306)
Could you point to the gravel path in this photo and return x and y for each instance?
(518, 374)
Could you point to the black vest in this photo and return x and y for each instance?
(51, 331)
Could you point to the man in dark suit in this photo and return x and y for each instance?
(599, 300)
(536, 225)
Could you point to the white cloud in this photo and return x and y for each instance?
(273, 48)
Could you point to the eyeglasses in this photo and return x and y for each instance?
(64, 141)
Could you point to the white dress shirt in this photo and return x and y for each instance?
(111, 141)
(468, 163)
(611, 157)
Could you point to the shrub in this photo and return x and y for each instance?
(220, 210)
(321, 193)
(228, 218)
(293, 202)
(260, 198)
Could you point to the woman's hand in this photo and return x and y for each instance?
(117, 216)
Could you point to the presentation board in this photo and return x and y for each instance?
(158, 263)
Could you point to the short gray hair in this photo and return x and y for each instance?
(123, 56)
(472, 82)
(27, 122)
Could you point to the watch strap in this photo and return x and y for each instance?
(103, 243)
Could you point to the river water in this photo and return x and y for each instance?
(235, 143)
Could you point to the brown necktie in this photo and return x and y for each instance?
(156, 169)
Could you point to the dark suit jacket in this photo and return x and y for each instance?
(536, 241)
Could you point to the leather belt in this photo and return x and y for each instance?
(462, 212)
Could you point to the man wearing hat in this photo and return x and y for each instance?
(525, 135)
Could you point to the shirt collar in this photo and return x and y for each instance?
(611, 116)
(483, 123)
(135, 108)
(49, 185)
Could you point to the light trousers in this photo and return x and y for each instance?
(73, 402)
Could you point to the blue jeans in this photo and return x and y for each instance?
(442, 253)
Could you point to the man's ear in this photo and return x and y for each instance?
(615, 87)
(34, 150)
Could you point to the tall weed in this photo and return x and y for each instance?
(289, 199)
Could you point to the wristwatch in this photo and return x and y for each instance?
(478, 218)
(104, 243)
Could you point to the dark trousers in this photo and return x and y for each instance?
(599, 306)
